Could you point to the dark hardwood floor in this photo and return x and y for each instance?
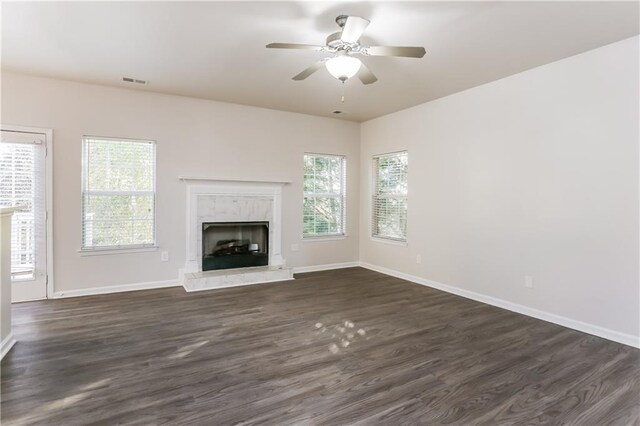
(339, 347)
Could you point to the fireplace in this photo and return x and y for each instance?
(217, 203)
(227, 245)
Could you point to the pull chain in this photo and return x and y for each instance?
(342, 97)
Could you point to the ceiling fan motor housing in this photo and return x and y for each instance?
(341, 20)
(334, 40)
(335, 43)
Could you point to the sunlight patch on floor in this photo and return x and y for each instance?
(187, 350)
(344, 334)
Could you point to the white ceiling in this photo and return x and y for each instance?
(216, 50)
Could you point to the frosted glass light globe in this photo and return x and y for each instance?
(343, 67)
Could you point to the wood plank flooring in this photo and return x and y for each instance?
(338, 347)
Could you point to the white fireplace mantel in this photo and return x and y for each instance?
(189, 179)
(231, 200)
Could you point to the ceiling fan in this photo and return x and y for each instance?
(343, 45)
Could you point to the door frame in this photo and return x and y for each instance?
(48, 134)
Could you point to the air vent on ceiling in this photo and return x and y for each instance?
(134, 80)
(338, 112)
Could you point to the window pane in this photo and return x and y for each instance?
(322, 216)
(118, 220)
(391, 217)
(17, 188)
(392, 174)
(120, 165)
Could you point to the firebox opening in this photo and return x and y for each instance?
(227, 245)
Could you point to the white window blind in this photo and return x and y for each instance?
(324, 195)
(118, 193)
(389, 204)
(21, 184)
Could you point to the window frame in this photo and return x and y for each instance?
(374, 194)
(342, 195)
(124, 248)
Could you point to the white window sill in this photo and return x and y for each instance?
(324, 238)
(104, 252)
(388, 241)
(22, 279)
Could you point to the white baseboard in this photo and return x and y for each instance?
(325, 267)
(178, 282)
(7, 344)
(116, 288)
(605, 333)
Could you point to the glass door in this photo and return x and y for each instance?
(22, 184)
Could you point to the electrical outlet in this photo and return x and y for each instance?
(418, 259)
(164, 256)
(294, 247)
(528, 281)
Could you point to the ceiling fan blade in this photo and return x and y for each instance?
(353, 29)
(365, 75)
(307, 72)
(294, 46)
(404, 51)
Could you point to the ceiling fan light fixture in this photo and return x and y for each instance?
(343, 67)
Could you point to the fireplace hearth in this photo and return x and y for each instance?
(229, 245)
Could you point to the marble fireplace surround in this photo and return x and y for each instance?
(226, 200)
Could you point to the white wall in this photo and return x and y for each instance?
(194, 137)
(535, 174)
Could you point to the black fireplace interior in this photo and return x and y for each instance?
(228, 245)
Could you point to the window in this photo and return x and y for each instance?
(118, 193)
(324, 195)
(389, 204)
